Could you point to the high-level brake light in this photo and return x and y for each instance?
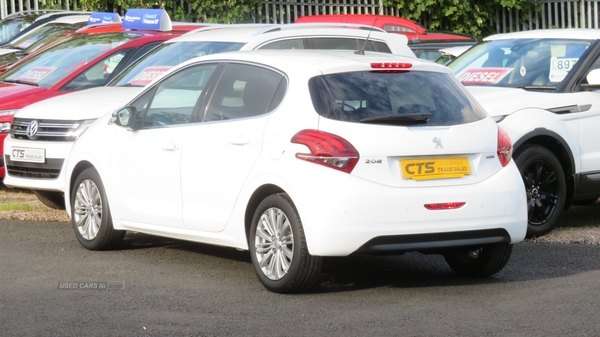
(391, 65)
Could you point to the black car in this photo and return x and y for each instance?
(430, 50)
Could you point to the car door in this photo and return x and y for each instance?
(219, 153)
(147, 161)
(589, 118)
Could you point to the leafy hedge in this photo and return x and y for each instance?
(470, 17)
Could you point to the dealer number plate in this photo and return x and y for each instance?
(28, 155)
(435, 168)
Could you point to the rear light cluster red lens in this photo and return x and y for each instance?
(505, 148)
(444, 205)
(391, 65)
(327, 149)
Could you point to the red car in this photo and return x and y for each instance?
(391, 24)
(87, 59)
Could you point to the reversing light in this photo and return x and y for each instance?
(327, 149)
(505, 148)
(391, 65)
(444, 205)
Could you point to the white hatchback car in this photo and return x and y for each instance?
(542, 87)
(58, 121)
(296, 155)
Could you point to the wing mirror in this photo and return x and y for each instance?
(124, 117)
(593, 80)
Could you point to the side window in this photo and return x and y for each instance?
(346, 44)
(244, 91)
(395, 28)
(328, 43)
(285, 44)
(335, 43)
(176, 97)
(381, 47)
(98, 74)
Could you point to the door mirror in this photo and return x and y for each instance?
(593, 77)
(124, 117)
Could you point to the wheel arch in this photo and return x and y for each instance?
(259, 194)
(559, 146)
(80, 167)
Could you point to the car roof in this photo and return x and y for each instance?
(320, 61)
(367, 19)
(39, 14)
(256, 35)
(243, 33)
(569, 33)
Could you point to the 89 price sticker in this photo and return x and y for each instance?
(560, 66)
(563, 63)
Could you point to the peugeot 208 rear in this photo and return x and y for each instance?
(297, 155)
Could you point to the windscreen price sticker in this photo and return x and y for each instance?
(28, 155)
(484, 75)
(35, 74)
(560, 66)
(148, 74)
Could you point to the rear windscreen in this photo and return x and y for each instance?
(389, 97)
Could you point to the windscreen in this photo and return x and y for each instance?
(10, 28)
(166, 56)
(52, 66)
(519, 62)
(397, 97)
(44, 33)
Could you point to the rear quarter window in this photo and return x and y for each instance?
(329, 43)
(356, 96)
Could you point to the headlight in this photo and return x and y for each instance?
(8, 112)
(81, 129)
(4, 127)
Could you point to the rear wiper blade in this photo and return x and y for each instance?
(407, 119)
(540, 87)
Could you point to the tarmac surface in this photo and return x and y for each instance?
(50, 286)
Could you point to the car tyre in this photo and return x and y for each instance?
(278, 247)
(484, 261)
(54, 200)
(90, 213)
(546, 188)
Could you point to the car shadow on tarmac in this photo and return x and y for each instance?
(529, 261)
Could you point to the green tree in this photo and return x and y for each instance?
(469, 17)
(223, 11)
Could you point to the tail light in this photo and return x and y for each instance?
(327, 149)
(505, 148)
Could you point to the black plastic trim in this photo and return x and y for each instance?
(415, 242)
(48, 170)
(588, 185)
(545, 132)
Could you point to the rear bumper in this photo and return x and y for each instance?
(341, 217)
(432, 241)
